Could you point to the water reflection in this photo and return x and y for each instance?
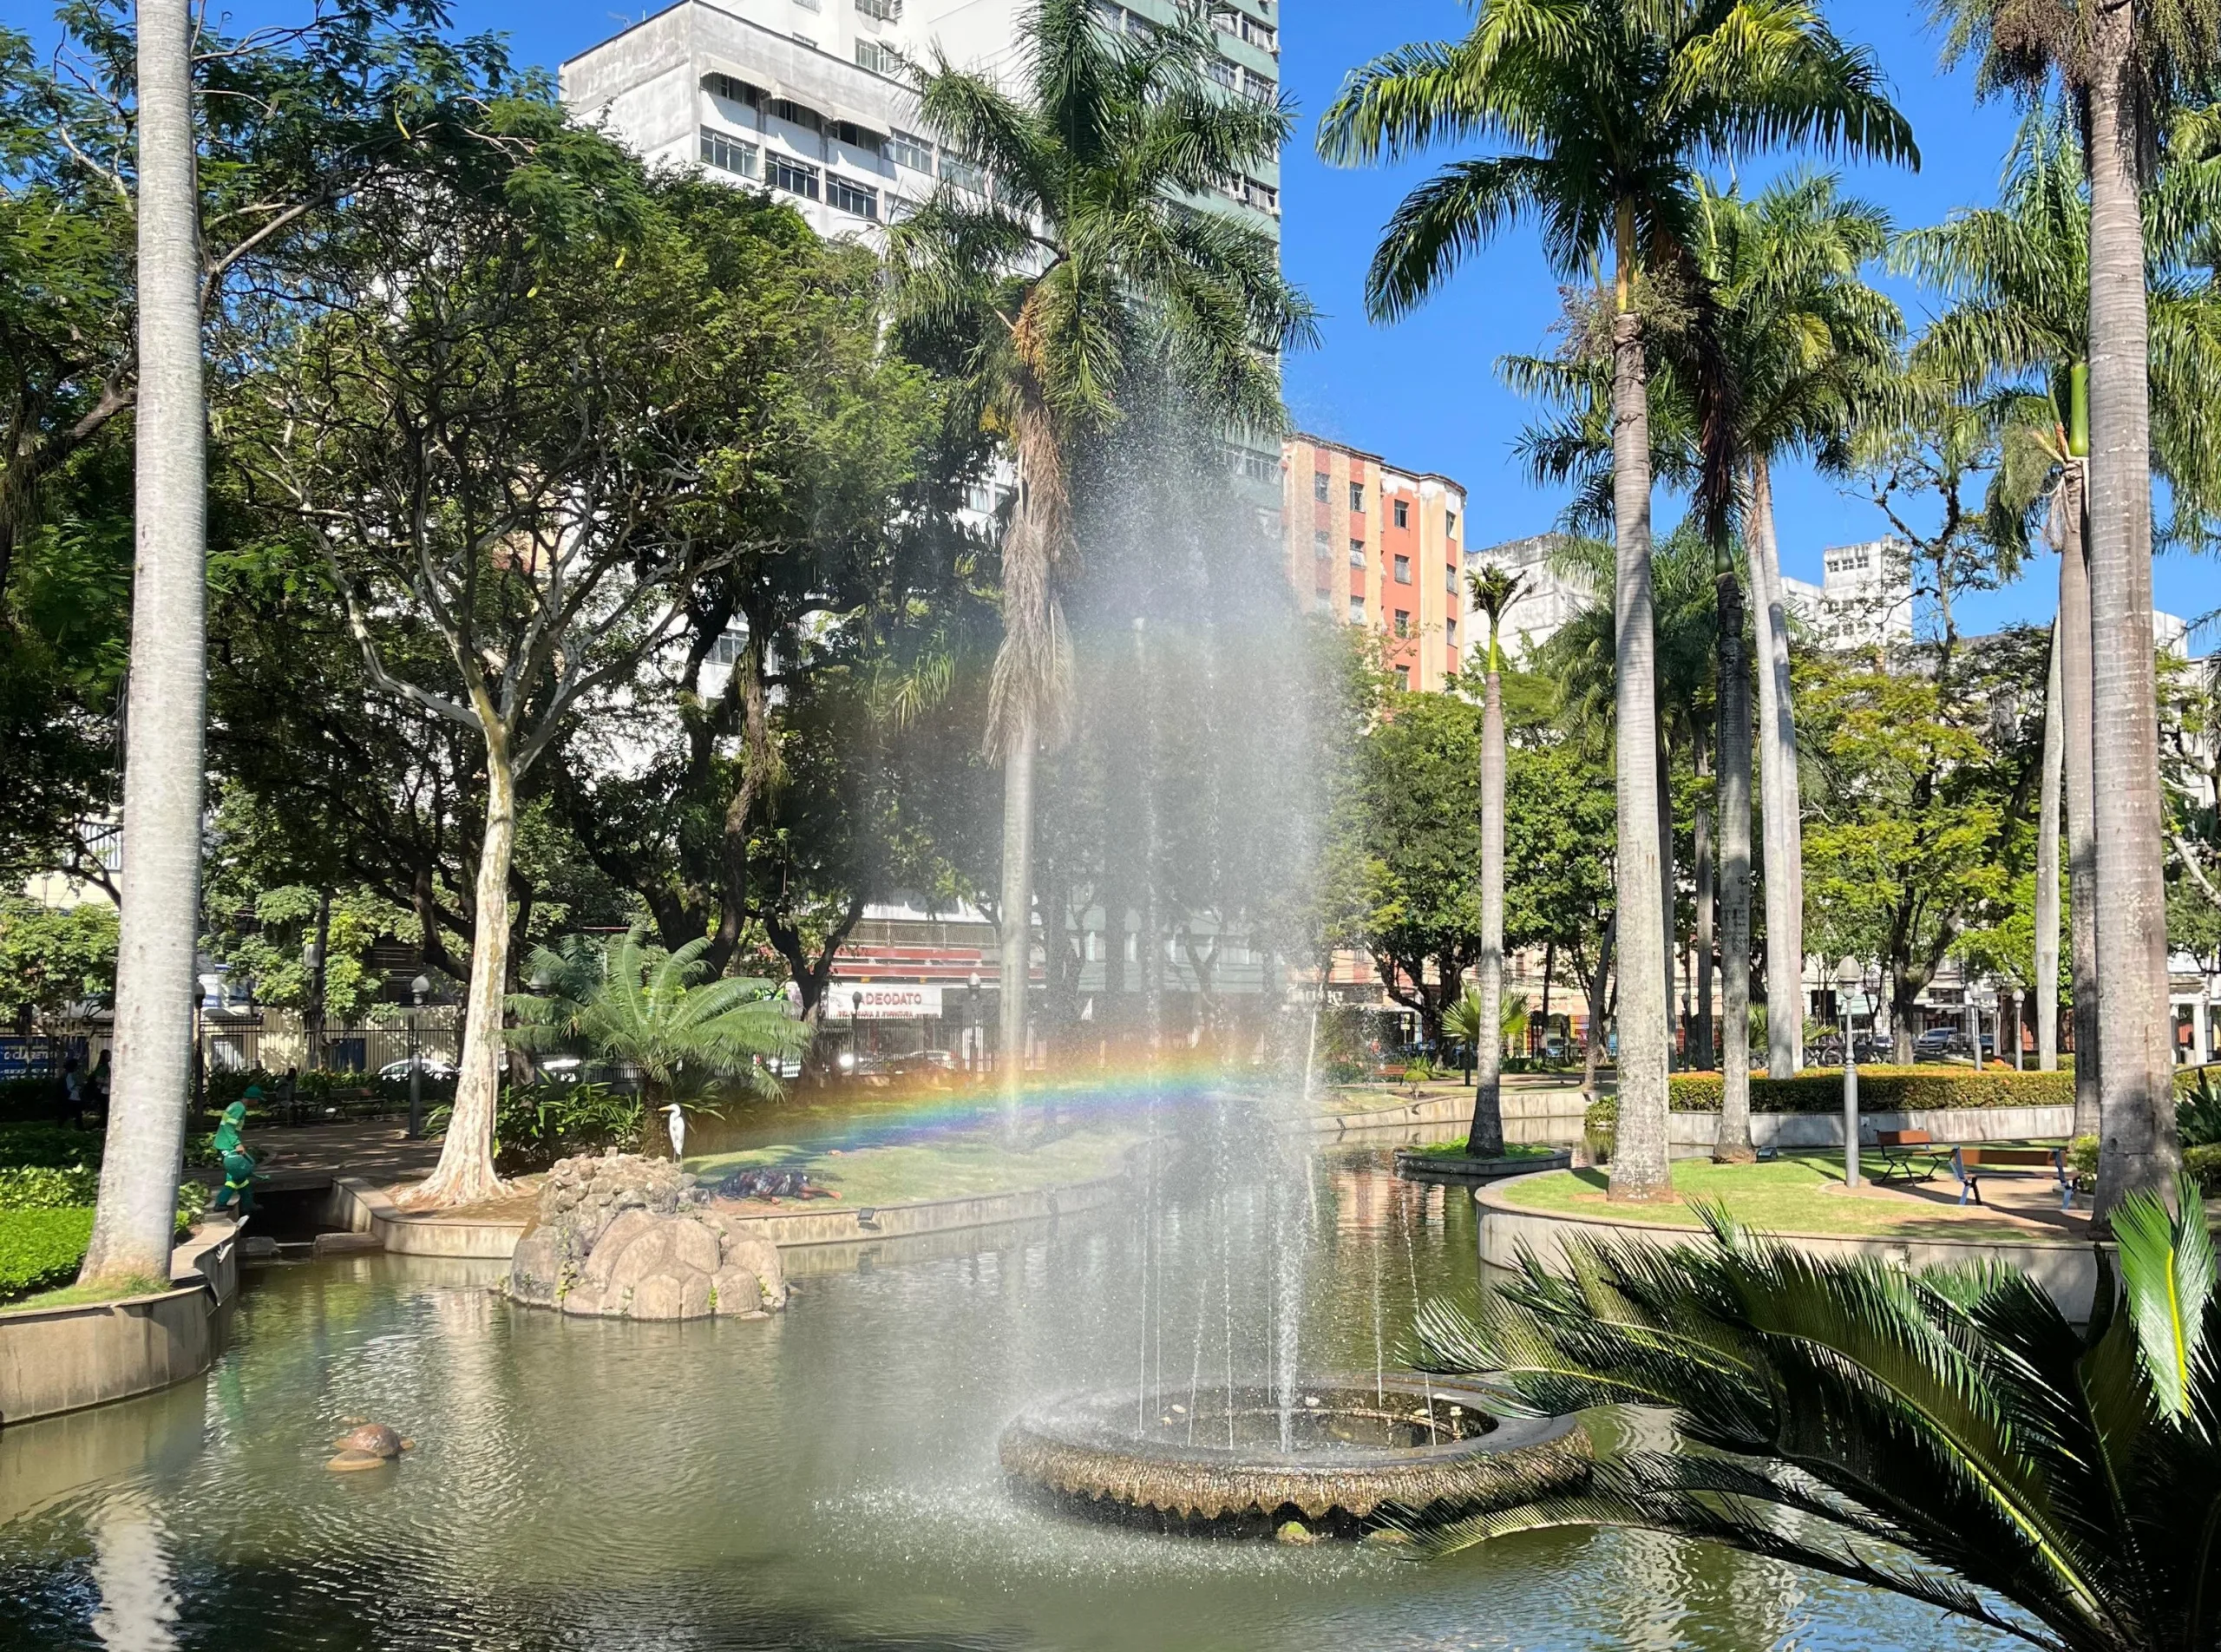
(822, 1480)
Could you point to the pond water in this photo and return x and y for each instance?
(822, 1480)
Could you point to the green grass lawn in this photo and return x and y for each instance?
(1798, 1193)
(1511, 1150)
(959, 1166)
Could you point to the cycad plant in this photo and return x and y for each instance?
(1083, 255)
(1597, 112)
(652, 1010)
(1953, 1437)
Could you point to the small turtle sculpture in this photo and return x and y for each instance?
(368, 1446)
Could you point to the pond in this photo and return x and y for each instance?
(822, 1480)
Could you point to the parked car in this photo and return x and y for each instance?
(1935, 1044)
(435, 1066)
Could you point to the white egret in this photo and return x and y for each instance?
(678, 1132)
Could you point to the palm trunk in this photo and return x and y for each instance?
(1640, 1168)
(1667, 914)
(2047, 915)
(2079, 770)
(1780, 806)
(1015, 938)
(1732, 1145)
(2138, 1148)
(1700, 1031)
(162, 767)
(1485, 1138)
(465, 1173)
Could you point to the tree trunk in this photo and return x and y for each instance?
(2081, 802)
(2138, 1150)
(1550, 968)
(1667, 914)
(1780, 805)
(1700, 1031)
(1592, 1053)
(160, 919)
(1485, 1138)
(1732, 1145)
(2046, 914)
(1015, 938)
(1640, 1168)
(465, 1174)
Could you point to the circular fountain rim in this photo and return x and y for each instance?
(1513, 1461)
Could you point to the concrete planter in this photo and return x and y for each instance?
(57, 1359)
(1456, 1171)
(1799, 1131)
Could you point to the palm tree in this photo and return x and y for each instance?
(1801, 338)
(2127, 65)
(1494, 590)
(1953, 1437)
(2019, 330)
(654, 1010)
(1090, 268)
(1600, 108)
(134, 1224)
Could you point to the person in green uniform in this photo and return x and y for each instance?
(237, 1192)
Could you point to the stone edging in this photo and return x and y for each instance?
(56, 1360)
(2068, 1271)
(1457, 1170)
(371, 1212)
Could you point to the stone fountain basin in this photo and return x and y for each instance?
(1359, 1450)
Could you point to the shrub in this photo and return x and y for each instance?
(43, 1187)
(2198, 1108)
(1881, 1089)
(40, 1249)
(1599, 1125)
(51, 1146)
(536, 1125)
(2203, 1164)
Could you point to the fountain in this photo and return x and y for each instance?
(1226, 1462)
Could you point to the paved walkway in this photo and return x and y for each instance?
(377, 1149)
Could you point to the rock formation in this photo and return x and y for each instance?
(621, 1236)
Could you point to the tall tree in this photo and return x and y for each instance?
(1494, 590)
(1085, 265)
(1600, 108)
(160, 922)
(2127, 64)
(502, 417)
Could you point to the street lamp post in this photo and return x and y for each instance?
(1848, 978)
(418, 989)
(855, 1034)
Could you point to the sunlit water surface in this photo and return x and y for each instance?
(823, 1479)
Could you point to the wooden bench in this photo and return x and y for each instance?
(1915, 1156)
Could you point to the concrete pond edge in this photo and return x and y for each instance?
(59, 1359)
(2068, 1269)
(1455, 1170)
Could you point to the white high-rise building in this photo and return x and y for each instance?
(1864, 599)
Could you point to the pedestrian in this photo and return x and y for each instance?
(237, 1192)
(96, 1083)
(73, 1091)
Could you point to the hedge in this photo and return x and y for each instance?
(53, 1146)
(1880, 1090)
(45, 1187)
(40, 1249)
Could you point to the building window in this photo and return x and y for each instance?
(1357, 553)
(1449, 633)
(1259, 87)
(728, 155)
(908, 150)
(1450, 524)
(1357, 495)
(734, 91)
(1326, 602)
(1450, 578)
(1403, 570)
(1263, 197)
(809, 6)
(1322, 544)
(1403, 677)
(1248, 461)
(1319, 484)
(1403, 514)
(855, 199)
(965, 174)
(785, 109)
(880, 60)
(1225, 74)
(1403, 622)
(792, 176)
(885, 11)
(1357, 610)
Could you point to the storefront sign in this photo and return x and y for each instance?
(882, 1002)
